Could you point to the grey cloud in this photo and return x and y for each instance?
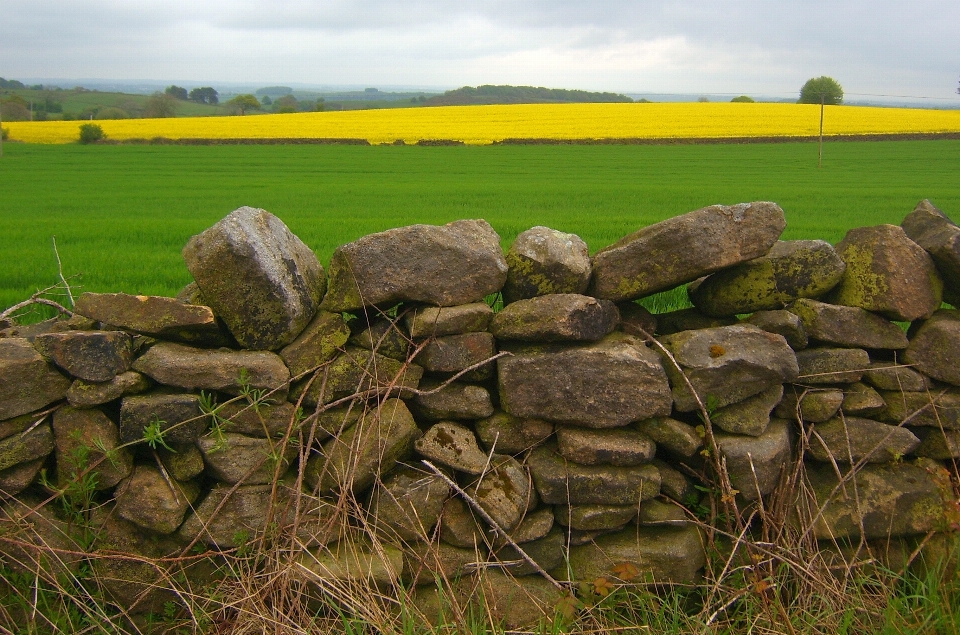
(693, 46)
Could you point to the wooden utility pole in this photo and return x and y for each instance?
(820, 158)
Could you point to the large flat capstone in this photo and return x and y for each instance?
(607, 384)
(457, 263)
(257, 276)
(684, 248)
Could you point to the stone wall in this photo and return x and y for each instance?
(571, 432)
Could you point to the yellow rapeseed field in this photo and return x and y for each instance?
(487, 124)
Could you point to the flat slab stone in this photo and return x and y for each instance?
(502, 432)
(319, 342)
(157, 316)
(222, 370)
(684, 248)
(453, 445)
(675, 436)
(544, 261)
(862, 400)
(892, 376)
(755, 463)
(810, 405)
(437, 321)
(179, 417)
(32, 444)
(852, 440)
(782, 322)
(931, 229)
(95, 356)
(453, 401)
(563, 317)
(451, 354)
(621, 447)
(726, 364)
(262, 420)
(258, 277)
(673, 484)
(832, 365)
(81, 436)
(657, 554)
(595, 517)
(848, 326)
(27, 381)
(512, 602)
(148, 500)
(85, 394)
(237, 458)
(603, 385)
(356, 457)
(935, 347)
(880, 501)
(934, 409)
(561, 482)
(887, 273)
(750, 416)
(790, 270)
(453, 264)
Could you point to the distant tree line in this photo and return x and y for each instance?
(201, 95)
(489, 94)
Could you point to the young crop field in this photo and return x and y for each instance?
(479, 125)
(121, 214)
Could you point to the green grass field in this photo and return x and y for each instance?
(121, 214)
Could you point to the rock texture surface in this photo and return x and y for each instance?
(257, 276)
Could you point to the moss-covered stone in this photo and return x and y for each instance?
(27, 381)
(319, 342)
(855, 440)
(372, 447)
(790, 270)
(558, 317)
(658, 554)
(602, 385)
(84, 394)
(543, 261)
(358, 371)
(561, 482)
(935, 347)
(429, 321)
(848, 326)
(87, 442)
(812, 405)
(887, 273)
(880, 501)
(258, 277)
(34, 443)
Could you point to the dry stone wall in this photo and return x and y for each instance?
(568, 432)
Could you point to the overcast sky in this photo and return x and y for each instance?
(770, 47)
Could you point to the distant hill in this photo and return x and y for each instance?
(487, 94)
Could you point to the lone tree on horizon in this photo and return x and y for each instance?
(821, 90)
